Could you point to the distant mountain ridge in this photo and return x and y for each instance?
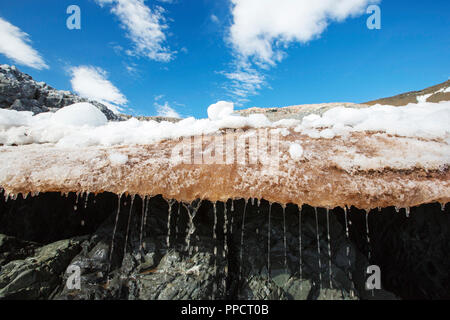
(436, 93)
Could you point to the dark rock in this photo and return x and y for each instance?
(35, 277)
(219, 256)
(18, 91)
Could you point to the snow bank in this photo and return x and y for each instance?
(84, 125)
(220, 110)
(422, 120)
(80, 114)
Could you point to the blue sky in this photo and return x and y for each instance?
(217, 48)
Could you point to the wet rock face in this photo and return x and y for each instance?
(18, 91)
(229, 251)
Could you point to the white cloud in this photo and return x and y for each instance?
(92, 83)
(145, 27)
(244, 81)
(214, 18)
(15, 44)
(262, 28)
(164, 110)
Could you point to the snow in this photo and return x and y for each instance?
(117, 159)
(422, 99)
(220, 110)
(84, 125)
(296, 151)
(12, 118)
(80, 114)
(421, 120)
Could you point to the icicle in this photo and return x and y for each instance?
(442, 206)
(191, 227)
(215, 248)
(347, 234)
(329, 248)
(318, 247)
(397, 209)
(86, 201)
(126, 236)
(113, 237)
(170, 202)
(242, 241)
(407, 210)
(128, 225)
(369, 254)
(225, 246)
(268, 241)
(284, 239)
(143, 220)
(178, 218)
(300, 246)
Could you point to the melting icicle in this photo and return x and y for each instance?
(215, 248)
(126, 236)
(113, 237)
(369, 247)
(300, 246)
(369, 253)
(318, 248)
(143, 220)
(170, 202)
(128, 225)
(191, 227)
(347, 234)
(178, 218)
(86, 201)
(284, 239)
(329, 247)
(225, 247)
(242, 241)
(268, 241)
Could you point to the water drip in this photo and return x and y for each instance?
(225, 246)
(300, 246)
(347, 234)
(170, 202)
(329, 248)
(143, 220)
(268, 241)
(242, 241)
(113, 236)
(318, 247)
(284, 239)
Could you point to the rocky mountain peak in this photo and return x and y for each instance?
(18, 91)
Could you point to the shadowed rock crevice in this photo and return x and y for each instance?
(213, 253)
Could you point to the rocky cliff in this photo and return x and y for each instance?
(18, 91)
